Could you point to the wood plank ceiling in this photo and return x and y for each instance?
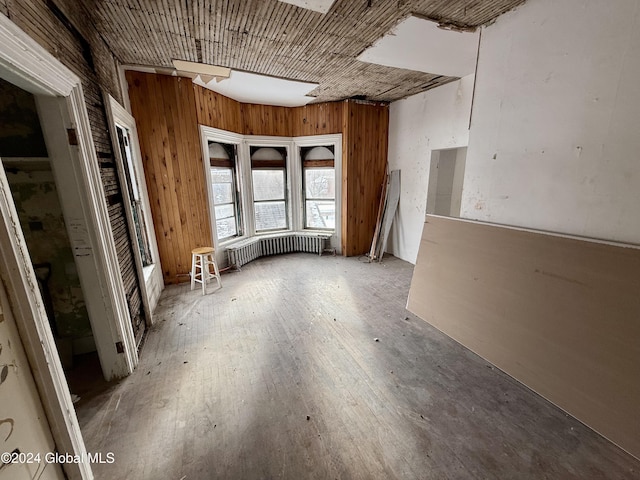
(278, 39)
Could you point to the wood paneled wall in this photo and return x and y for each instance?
(171, 147)
(266, 120)
(559, 314)
(317, 119)
(217, 111)
(364, 161)
(166, 114)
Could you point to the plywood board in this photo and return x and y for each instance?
(391, 206)
(560, 314)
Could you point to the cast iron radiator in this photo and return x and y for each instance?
(255, 247)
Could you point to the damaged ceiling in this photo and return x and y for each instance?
(279, 39)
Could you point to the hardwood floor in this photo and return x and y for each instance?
(279, 375)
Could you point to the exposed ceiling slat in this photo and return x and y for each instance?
(274, 38)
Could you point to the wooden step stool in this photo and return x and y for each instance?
(201, 259)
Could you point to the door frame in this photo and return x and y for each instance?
(26, 64)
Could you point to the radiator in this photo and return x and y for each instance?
(240, 255)
(248, 250)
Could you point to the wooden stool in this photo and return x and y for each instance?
(201, 258)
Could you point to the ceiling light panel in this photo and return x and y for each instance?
(201, 68)
(322, 6)
(253, 88)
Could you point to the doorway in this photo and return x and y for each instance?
(446, 177)
(35, 192)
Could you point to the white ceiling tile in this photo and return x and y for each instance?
(418, 44)
(253, 88)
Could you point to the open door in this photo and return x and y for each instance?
(24, 432)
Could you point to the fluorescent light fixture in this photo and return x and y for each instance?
(322, 6)
(253, 88)
(420, 45)
(201, 68)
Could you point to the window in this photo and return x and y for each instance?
(269, 180)
(262, 184)
(137, 211)
(319, 187)
(224, 180)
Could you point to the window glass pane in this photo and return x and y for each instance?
(268, 185)
(224, 199)
(270, 215)
(320, 182)
(225, 211)
(226, 228)
(320, 214)
(222, 180)
(222, 193)
(221, 175)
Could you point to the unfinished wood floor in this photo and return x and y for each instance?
(279, 375)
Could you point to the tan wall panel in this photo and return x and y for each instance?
(561, 315)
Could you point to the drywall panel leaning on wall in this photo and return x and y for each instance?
(560, 314)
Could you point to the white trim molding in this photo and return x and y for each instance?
(21, 285)
(75, 169)
(294, 181)
(150, 277)
(26, 64)
(312, 141)
(209, 134)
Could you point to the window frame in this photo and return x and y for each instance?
(232, 164)
(271, 165)
(334, 140)
(293, 180)
(209, 134)
(324, 164)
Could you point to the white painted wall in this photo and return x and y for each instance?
(555, 135)
(433, 120)
(458, 181)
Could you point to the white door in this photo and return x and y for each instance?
(25, 436)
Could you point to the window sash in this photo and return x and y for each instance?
(311, 221)
(224, 228)
(282, 221)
